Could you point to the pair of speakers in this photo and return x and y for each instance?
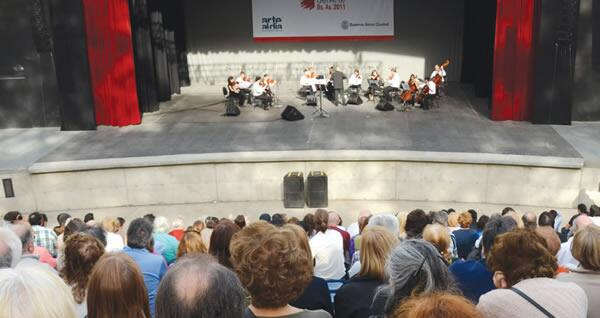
(295, 194)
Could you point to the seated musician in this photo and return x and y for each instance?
(259, 91)
(374, 84)
(269, 82)
(441, 72)
(244, 81)
(234, 90)
(355, 81)
(431, 91)
(394, 84)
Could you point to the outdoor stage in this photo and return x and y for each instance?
(189, 156)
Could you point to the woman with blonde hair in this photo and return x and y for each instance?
(191, 243)
(354, 298)
(402, 224)
(438, 235)
(34, 291)
(114, 241)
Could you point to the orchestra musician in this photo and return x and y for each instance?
(409, 95)
(245, 82)
(234, 90)
(337, 79)
(428, 93)
(259, 91)
(394, 84)
(439, 77)
(355, 80)
(374, 84)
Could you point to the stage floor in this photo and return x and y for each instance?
(193, 123)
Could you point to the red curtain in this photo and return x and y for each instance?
(110, 53)
(513, 60)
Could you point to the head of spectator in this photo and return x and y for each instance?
(516, 216)
(496, 226)
(296, 232)
(11, 248)
(81, 253)
(363, 221)
(582, 208)
(240, 221)
(121, 222)
(551, 238)
(415, 223)
(278, 219)
(440, 217)
(73, 226)
(546, 219)
(191, 243)
(581, 222)
(507, 210)
(161, 225)
(402, 223)
(464, 220)
(61, 219)
(265, 217)
(293, 220)
(116, 288)
(220, 239)
(97, 232)
(44, 219)
(36, 219)
(25, 234)
(473, 217)
(13, 217)
(139, 234)
(439, 305)
(197, 286)
(482, 222)
(529, 220)
(34, 291)
(520, 255)
(198, 226)
(586, 248)
(321, 220)
(308, 223)
(272, 266)
(150, 217)
(453, 219)
(594, 210)
(387, 221)
(439, 236)
(414, 268)
(333, 219)
(377, 243)
(111, 224)
(88, 219)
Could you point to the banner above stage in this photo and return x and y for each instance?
(322, 20)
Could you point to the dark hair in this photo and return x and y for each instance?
(35, 218)
(278, 219)
(497, 225)
(220, 239)
(12, 216)
(73, 227)
(139, 233)
(240, 221)
(98, 233)
(321, 220)
(210, 290)
(507, 209)
(483, 220)
(416, 221)
(546, 219)
(150, 217)
(308, 223)
(265, 217)
(230, 80)
(81, 253)
(121, 221)
(582, 208)
(594, 210)
(44, 217)
(473, 217)
(62, 218)
(88, 217)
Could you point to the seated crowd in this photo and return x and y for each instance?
(417, 264)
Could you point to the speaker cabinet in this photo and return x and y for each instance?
(316, 190)
(293, 190)
(291, 113)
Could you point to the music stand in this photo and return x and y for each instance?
(320, 112)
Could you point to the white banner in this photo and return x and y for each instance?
(322, 20)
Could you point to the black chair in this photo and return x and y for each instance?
(225, 92)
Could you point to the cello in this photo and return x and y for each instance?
(408, 95)
(438, 79)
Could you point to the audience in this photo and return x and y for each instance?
(354, 228)
(209, 225)
(465, 236)
(438, 305)
(529, 220)
(13, 217)
(42, 237)
(565, 256)
(523, 268)
(327, 249)
(10, 248)
(191, 244)
(116, 287)
(164, 244)
(177, 228)
(34, 291)
(388, 221)
(220, 240)
(114, 241)
(438, 235)
(354, 298)
(81, 253)
(414, 268)
(199, 287)
(586, 250)
(333, 222)
(62, 219)
(31, 254)
(415, 224)
(139, 248)
(240, 221)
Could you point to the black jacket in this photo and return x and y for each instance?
(316, 296)
(354, 298)
(338, 79)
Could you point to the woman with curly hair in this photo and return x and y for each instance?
(81, 253)
(274, 269)
(523, 273)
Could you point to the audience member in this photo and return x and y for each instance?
(274, 269)
(278, 219)
(481, 224)
(220, 240)
(363, 221)
(116, 286)
(353, 229)
(13, 217)
(473, 219)
(42, 236)
(524, 270)
(96, 232)
(10, 248)
(438, 305)
(31, 254)
(316, 295)
(207, 231)
(177, 228)
(354, 298)
(81, 253)
(438, 235)
(473, 276)
(327, 249)
(308, 224)
(61, 219)
(465, 236)
(402, 224)
(198, 226)
(73, 226)
(415, 224)
(34, 291)
(150, 218)
(414, 268)
(114, 241)
(565, 256)
(164, 244)
(197, 286)
(240, 221)
(388, 221)
(191, 244)
(546, 219)
(265, 217)
(453, 221)
(529, 220)
(333, 222)
(139, 247)
(507, 210)
(586, 249)
(89, 219)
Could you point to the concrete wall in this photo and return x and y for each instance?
(219, 42)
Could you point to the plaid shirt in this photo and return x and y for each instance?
(45, 238)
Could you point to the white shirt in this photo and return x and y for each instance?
(432, 87)
(328, 250)
(564, 256)
(395, 81)
(114, 242)
(305, 81)
(257, 89)
(442, 73)
(355, 80)
(243, 84)
(353, 229)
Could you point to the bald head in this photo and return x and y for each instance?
(333, 219)
(582, 222)
(551, 238)
(25, 234)
(529, 220)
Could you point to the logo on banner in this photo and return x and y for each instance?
(345, 25)
(307, 4)
(323, 5)
(272, 23)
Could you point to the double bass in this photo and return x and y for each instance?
(438, 79)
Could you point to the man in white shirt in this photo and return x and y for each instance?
(328, 251)
(394, 84)
(259, 91)
(439, 71)
(565, 257)
(243, 81)
(428, 100)
(355, 80)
